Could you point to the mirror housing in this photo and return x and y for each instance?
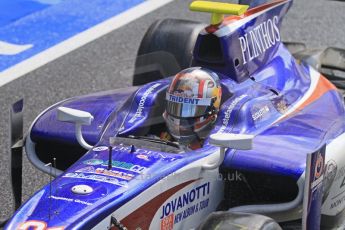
(78, 117)
(74, 116)
(228, 140)
(231, 140)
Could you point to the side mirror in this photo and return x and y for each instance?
(74, 116)
(79, 118)
(229, 140)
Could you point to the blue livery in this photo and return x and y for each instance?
(290, 108)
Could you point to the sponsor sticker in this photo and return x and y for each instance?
(114, 173)
(262, 37)
(149, 153)
(141, 105)
(106, 172)
(228, 112)
(281, 105)
(70, 200)
(185, 205)
(117, 164)
(88, 169)
(37, 225)
(189, 100)
(167, 223)
(313, 189)
(101, 178)
(100, 148)
(93, 162)
(319, 166)
(143, 157)
(259, 114)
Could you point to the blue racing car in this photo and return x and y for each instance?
(215, 133)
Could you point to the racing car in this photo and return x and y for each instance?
(277, 108)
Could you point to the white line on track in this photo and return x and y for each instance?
(79, 40)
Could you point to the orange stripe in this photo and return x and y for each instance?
(252, 11)
(176, 78)
(262, 7)
(201, 88)
(232, 18)
(322, 87)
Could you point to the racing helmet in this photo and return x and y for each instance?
(192, 103)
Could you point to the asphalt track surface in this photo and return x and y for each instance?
(107, 63)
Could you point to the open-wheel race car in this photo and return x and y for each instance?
(113, 171)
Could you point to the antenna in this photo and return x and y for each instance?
(50, 187)
(54, 165)
(110, 162)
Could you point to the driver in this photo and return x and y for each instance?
(192, 103)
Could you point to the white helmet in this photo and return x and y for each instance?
(192, 103)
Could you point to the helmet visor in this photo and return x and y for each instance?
(180, 127)
(187, 107)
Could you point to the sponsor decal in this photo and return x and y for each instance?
(188, 100)
(139, 112)
(103, 171)
(184, 100)
(319, 166)
(143, 157)
(70, 200)
(150, 208)
(101, 178)
(191, 210)
(149, 153)
(93, 162)
(318, 171)
(340, 174)
(259, 39)
(281, 105)
(37, 225)
(117, 164)
(335, 177)
(186, 204)
(260, 113)
(167, 223)
(100, 148)
(88, 169)
(127, 166)
(313, 189)
(140, 153)
(338, 202)
(114, 173)
(228, 112)
(329, 176)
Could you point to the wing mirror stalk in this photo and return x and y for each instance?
(79, 118)
(228, 140)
